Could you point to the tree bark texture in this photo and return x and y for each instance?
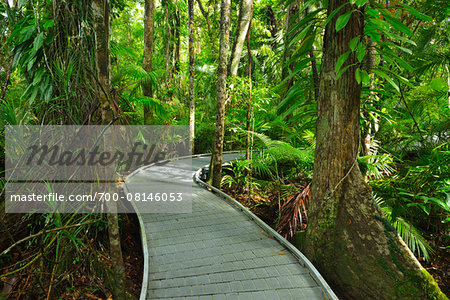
(315, 73)
(348, 239)
(216, 159)
(148, 54)
(245, 13)
(191, 74)
(176, 56)
(100, 13)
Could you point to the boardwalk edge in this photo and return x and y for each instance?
(328, 292)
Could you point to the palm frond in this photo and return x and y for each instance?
(410, 234)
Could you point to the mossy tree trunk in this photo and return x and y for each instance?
(348, 239)
(148, 54)
(100, 13)
(215, 174)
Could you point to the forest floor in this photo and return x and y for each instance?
(83, 275)
(267, 209)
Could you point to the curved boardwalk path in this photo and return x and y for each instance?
(217, 252)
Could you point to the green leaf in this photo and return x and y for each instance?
(358, 75)
(365, 77)
(387, 78)
(33, 94)
(38, 76)
(333, 13)
(341, 60)
(373, 13)
(48, 93)
(416, 13)
(343, 71)
(397, 24)
(360, 3)
(438, 84)
(38, 41)
(372, 33)
(353, 43)
(306, 44)
(425, 208)
(360, 52)
(30, 64)
(48, 24)
(26, 33)
(378, 24)
(403, 49)
(343, 20)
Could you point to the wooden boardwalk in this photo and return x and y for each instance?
(217, 251)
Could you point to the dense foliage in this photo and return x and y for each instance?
(47, 76)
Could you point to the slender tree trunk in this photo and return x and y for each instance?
(148, 54)
(215, 176)
(245, 12)
(8, 76)
(176, 65)
(169, 34)
(348, 239)
(249, 100)
(100, 12)
(248, 152)
(168, 42)
(191, 74)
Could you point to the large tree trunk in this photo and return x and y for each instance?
(100, 13)
(215, 174)
(191, 74)
(349, 240)
(245, 13)
(148, 54)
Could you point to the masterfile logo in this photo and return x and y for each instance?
(78, 168)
